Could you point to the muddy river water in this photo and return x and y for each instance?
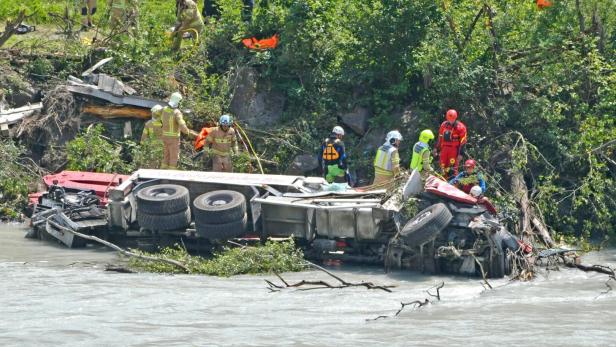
(52, 296)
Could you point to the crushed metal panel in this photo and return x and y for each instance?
(116, 99)
(282, 217)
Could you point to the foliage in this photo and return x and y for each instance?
(90, 151)
(273, 256)
(16, 176)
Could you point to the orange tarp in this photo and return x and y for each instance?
(260, 45)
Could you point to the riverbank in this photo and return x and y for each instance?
(55, 296)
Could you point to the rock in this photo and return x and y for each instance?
(302, 164)
(357, 120)
(23, 97)
(254, 103)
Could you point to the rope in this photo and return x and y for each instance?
(251, 147)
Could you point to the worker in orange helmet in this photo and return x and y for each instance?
(450, 144)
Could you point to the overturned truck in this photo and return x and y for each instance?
(452, 233)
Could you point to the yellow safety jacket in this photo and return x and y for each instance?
(222, 142)
(173, 122)
(421, 156)
(387, 160)
(153, 130)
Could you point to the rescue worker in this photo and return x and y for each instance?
(450, 144)
(189, 18)
(119, 12)
(151, 140)
(333, 157)
(387, 160)
(222, 142)
(173, 125)
(469, 178)
(421, 158)
(153, 128)
(88, 9)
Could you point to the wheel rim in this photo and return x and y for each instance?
(162, 193)
(219, 202)
(421, 217)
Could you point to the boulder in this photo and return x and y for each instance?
(302, 164)
(254, 103)
(357, 120)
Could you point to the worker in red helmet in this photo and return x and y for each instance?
(450, 144)
(469, 178)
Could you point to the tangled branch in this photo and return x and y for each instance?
(415, 304)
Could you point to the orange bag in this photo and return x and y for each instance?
(261, 45)
(541, 4)
(200, 140)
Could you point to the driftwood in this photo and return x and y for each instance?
(109, 112)
(416, 303)
(119, 249)
(11, 27)
(322, 284)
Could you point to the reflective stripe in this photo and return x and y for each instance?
(168, 122)
(221, 153)
(417, 160)
(383, 159)
(119, 4)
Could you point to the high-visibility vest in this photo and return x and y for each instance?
(170, 126)
(383, 160)
(418, 152)
(329, 152)
(153, 129)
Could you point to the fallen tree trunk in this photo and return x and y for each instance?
(109, 112)
(119, 249)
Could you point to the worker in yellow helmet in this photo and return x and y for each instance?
(421, 158)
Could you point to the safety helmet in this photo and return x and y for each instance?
(476, 191)
(174, 99)
(426, 135)
(225, 119)
(470, 164)
(393, 135)
(156, 111)
(338, 130)
(451, 115)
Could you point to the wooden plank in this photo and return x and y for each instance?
(109, 112)
(96, 66)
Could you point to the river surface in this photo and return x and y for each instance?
(53, 296)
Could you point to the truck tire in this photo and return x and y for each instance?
(163, 199)
(164, 222)
(426, 225)
(222, 231)
(219, 207)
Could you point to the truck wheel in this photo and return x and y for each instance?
(163, 199)
(426, 225)
(164, 222)
(222, 231)
(219, 207)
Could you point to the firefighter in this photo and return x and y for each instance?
(119, 12)
(450, 144)
(153, 129)
(387, 160)
(333, 157)
(421, 158)
(88, 9)
(189, 18)
(222, 142)
(173, 125)
(469, 178)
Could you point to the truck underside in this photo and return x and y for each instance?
(452, 232)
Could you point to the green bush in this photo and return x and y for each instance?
(272, 257)
(90, 151)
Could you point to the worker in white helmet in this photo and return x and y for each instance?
(173, 125)
(387, 161)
